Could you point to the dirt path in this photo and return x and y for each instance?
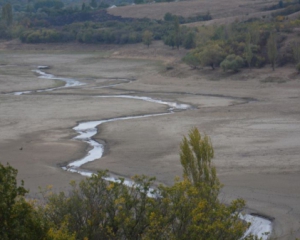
(252, 118)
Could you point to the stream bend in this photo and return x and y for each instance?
(86, 131)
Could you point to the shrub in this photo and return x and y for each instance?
(191, 60)
(18, 218)
(232, 62)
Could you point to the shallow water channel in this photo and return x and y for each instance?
(86, 131)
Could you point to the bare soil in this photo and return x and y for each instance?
(252, 117)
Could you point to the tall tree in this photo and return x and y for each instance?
(195, 157)
(177, 38)
(7, 16)
(248, 51)
(147, 38)
(296, 51)
(272, 49)
(93, 4)
(190, 40)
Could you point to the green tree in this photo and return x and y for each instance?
(147, 38)
(83, 7)
(272, 49)
(298, 67)
(211, 55)
(296, 54)
(170, 39)
(168, 17)
(254, 33)
(192, 60)
(248, 51)
(232, 62)
(93, 4)
(18, 218)
(99, 209)
(190, 208)
(7, 16)
(195, 157)
(190, 41)
(138, 1)
(177, 38)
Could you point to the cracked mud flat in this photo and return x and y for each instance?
(256, 142)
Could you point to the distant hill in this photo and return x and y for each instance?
(217, 8)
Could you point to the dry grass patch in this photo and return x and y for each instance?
(218, 9)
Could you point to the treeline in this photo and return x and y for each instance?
(49, 21)
(249, 44)
(101, 27)
(98, 209)
(110, 32)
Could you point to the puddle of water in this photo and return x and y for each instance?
(260, 227)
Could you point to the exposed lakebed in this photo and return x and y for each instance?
(87, 130)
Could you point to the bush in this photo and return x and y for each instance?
(191, 60)
(232, 62)
(18, 218)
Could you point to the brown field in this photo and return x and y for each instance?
(232, 9)
(252, 117)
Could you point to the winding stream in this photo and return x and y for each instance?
(69, 82)
(87, 130)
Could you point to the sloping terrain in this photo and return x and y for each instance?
(252, 118)
(218, 9)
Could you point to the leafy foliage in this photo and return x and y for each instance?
(190, 209)
(272, 50)
(18, 218)
(147, 38)
(192, 60)
(298, 67)
(211, 55)
(98, 208)
(232, 62)
(7, 15)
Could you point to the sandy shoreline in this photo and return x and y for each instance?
(257, 143)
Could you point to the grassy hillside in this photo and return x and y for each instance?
(217, 8)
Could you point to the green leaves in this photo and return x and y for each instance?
(232, 62)
(190, 209)
(272, 49)
(100, 209)
(18, 218)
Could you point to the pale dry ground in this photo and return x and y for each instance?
(252, 118)
(217, 8)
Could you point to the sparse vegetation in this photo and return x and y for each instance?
(98, 209)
